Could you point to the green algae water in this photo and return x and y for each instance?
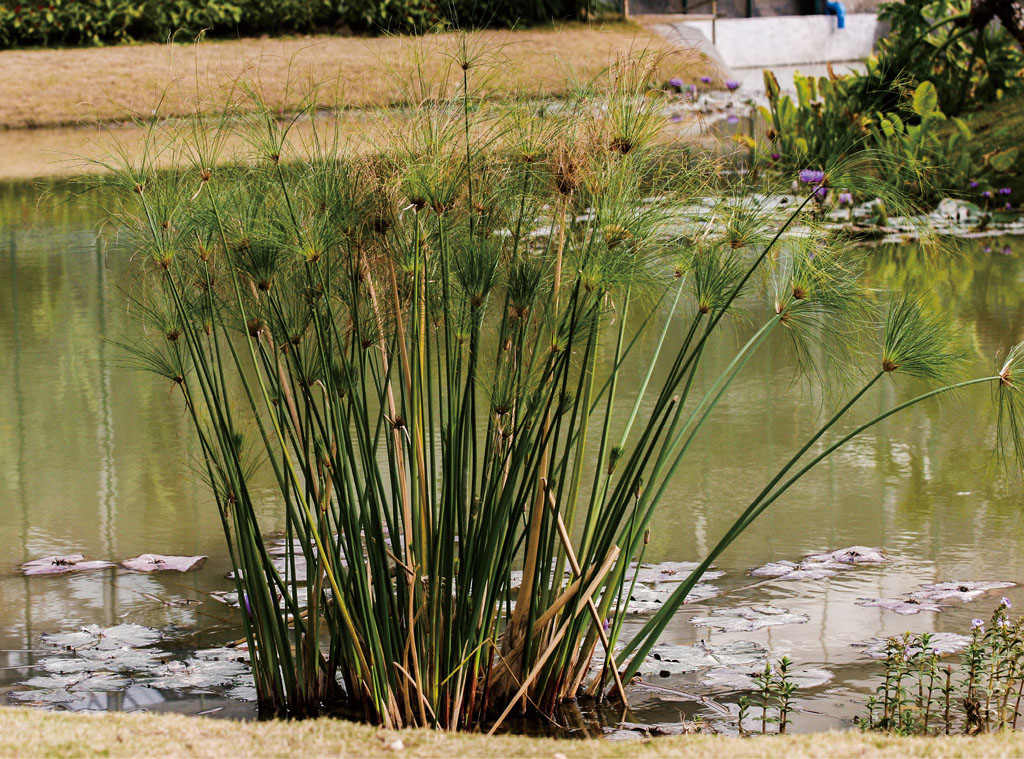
(99, 460)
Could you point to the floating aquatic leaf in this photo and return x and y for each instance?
(58, 565)
(899, 605)
(225, 653)
(197, 674)
(667, 571)
(942, 643)
(645, 599)
(851, 555)
(742, 678)
(61, 665)
(958, 591)
(94, 636)
(667, 659)
(229, 597)
(155, 562)
(125, 659)
(748, 619)
(100, 681)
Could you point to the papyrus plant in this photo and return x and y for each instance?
(422, 342)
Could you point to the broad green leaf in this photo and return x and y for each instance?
(926, 98)
(1003, 160)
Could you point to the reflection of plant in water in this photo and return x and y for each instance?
(919, 697)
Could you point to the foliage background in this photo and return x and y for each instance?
(29, 23)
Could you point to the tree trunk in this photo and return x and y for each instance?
(1009, 12)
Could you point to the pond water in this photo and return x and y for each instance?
(97, 460)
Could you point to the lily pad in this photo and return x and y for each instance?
(748, 619)
(645, 599)
(667, 659)
(851, 555)
(667, 571)
(197, 674)
(62, 564)
(155, 562)
(899, 605)
(957, 591)
(94, 636)
(942, 643)
(100, 681)
(742, 678)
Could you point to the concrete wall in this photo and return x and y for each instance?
(789, 40)
(738, 8)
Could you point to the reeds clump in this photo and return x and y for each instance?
(422, 343)
(982, 693)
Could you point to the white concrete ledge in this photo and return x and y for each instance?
(789, 40)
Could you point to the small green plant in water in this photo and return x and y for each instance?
(919, 696)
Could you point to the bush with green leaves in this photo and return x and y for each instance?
(925, 153)
(96, 22)
(934, 41)
(421, 343)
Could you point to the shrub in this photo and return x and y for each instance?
(422, 343)
(97, 22)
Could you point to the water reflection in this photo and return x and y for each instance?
(96, 460)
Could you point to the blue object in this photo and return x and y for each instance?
(836, 7)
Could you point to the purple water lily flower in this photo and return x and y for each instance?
(973, 185)
(812, 176)
(731, 84)
(846, 198)
(732, 118)
(706, 79)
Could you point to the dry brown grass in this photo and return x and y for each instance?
(29, 733)
(45, 88)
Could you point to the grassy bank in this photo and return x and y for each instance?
(29, 733)
(47, 88)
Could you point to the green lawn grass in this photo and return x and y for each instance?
(33, 733)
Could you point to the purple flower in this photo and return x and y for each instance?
(675, 118)
(1005, 603)
(606, 625)
(986, 194)
(973, 185)
(732, 118)
(706, 79)
(676, 82)
(812, 176)
(977, 624)
(986, 249)
(821, 193)
(1005, 191)
(776, 156)
(1008, 206)
(846, 198)
(1007, 251)
(731, 84)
